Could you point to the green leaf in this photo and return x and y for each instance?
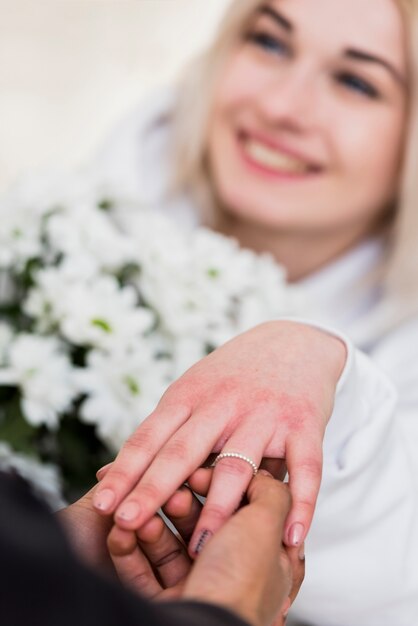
(102, 324)
(14, 429)
(132, 385)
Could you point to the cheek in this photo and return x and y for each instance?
(371, 151)
(239, 84)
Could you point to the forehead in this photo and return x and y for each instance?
(372, 25)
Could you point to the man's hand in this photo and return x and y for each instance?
(87, 531)
(245, 567)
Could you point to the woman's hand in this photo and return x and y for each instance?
(267, 393)
(245, 568)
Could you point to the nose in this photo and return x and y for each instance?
(291, 100)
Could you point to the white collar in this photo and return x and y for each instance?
(341, 294)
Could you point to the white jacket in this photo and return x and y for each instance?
(362, 550)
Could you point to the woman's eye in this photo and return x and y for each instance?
(268, 42)
(357, 84)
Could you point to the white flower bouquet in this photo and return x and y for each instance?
(102, 304)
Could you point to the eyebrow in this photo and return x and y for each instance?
(365, 57)
(266, 9)
(351, 53)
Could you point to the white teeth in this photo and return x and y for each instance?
(273, 159)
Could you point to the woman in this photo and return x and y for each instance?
(297, 135)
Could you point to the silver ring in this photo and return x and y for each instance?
(236, 455)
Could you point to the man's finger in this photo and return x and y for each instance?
(250, 548)
(183, 510)
(166, 553)
(200, 480)
(132, 566)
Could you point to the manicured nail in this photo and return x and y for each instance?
(104, 500)
(129, 512)
(296, 534)
(200, 543)
(302, 552)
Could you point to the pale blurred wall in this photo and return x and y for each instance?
(70, 68)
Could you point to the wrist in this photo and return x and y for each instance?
(325, 344)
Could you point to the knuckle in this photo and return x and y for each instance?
(312, 467)
(116, 478)
(217, 512)
(149, 491)
(168, 558)
(139, 580)
(121, 545)
(305, 503)
(140, 440)
(180, 392)
(174, 449)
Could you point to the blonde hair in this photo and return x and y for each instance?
(398, 275)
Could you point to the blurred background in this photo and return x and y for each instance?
(70, 69)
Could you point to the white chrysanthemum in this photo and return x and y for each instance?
(26, 205)
(20, 236)
(44, 375)
(87, 236)
(22, 210)
(122, 388)
(204, 286)
(44, 478)
(46, 301)
(102, 314)
(97, 312)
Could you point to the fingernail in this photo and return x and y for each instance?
(296, 534)
(202, 540)
(104, 500)
(264, 472)
(101, 471)
(128, 512)
(302, 552)
(286, 608)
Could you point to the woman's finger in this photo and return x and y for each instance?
(304, 463)
(178, 458)
(230, 481)
(136, 455)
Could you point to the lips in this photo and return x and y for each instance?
(276, 159)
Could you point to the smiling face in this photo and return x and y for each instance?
(307, 124)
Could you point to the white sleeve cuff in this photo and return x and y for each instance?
(361, 390)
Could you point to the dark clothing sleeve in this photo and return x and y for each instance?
(42, 581)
